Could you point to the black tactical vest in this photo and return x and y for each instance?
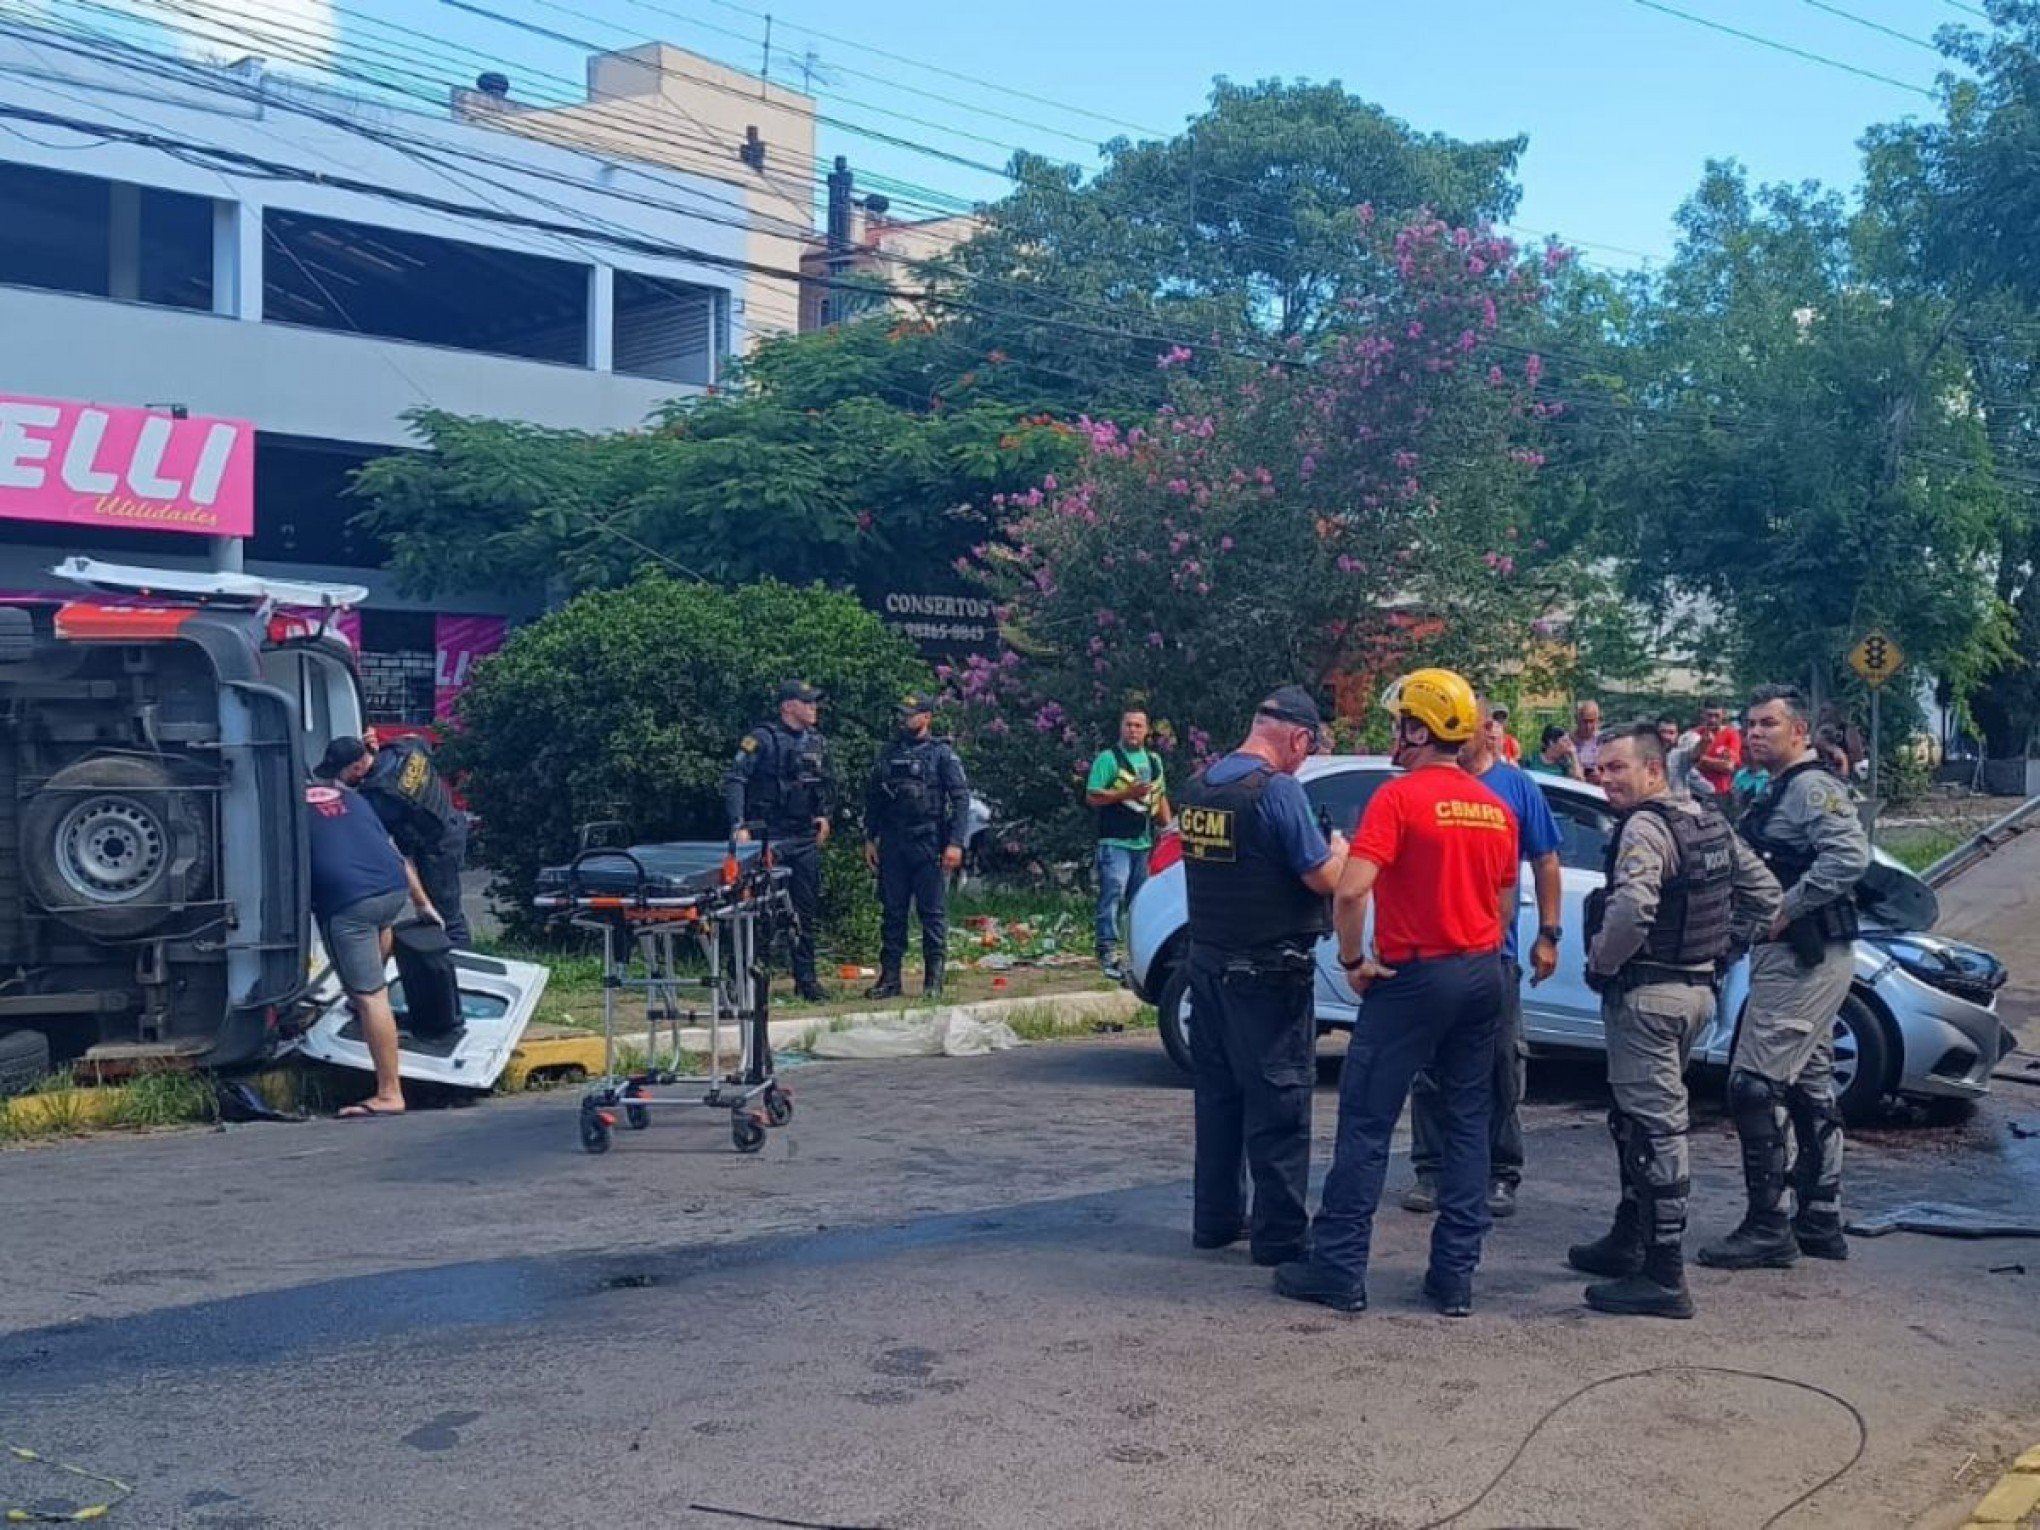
(1790, 860)
(910, 786)
(1696, 902)
(1242, 894)
(787, 784)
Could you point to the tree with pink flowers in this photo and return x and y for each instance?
(1327, 513)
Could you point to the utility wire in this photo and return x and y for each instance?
(1782, 47)
(1874, 26)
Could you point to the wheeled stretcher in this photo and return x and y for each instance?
(656, 907)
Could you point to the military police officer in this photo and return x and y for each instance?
(781, 779)
(1682, 894)
(916, 819)
(1806, 830)
(1259, 875)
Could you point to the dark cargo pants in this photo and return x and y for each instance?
(1505, 1126)
(910, 871)
(1442, 1012)
(1254, 1055)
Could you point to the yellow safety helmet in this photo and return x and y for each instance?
(1439, 699)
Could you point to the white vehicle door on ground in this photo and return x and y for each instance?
(1562, 1010)
(498, 999)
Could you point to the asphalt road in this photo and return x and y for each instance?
(950, 1294)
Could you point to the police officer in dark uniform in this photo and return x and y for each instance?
(1806, 830)
(1259, 874)
(1682, 896)
(916, 819)
(400, 782)
(781, 779)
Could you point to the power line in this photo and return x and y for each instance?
(1781, 47)
(1874, 26)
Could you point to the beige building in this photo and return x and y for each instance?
(898, 254)
(662, 105)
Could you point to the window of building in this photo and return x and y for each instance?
(667, 330)
(303, 511)
(399, 666)
(327, 274)
(100, 238)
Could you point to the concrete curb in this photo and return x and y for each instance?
(2015, 1501)
(793, 1035)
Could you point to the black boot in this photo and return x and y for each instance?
(888, 984)
(1764, 1240)
(1617, 1254)
(931, 978)
(1819, 1235)
(1658, 1289)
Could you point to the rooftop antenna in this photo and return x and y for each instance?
(812, 73)
(765, 74)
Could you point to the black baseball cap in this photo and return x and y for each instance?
(1292, 704)
(340, 754)
(914, 703)
(800, 690)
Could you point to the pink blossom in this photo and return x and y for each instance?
(1155, 640)
(1174, 356)
(1494, 376)
(1225, 544)
(1533, 369)
(1405, 461)
(1308, 467)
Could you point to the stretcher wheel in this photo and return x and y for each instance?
(747, 1133)
(594, 1131)
(636, 1117)
(778, 1105)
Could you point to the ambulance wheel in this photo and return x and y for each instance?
(636, 1117)
(594, 1132)
(778, 1106)
(747, 1133)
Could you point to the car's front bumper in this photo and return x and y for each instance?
(1950, 1045)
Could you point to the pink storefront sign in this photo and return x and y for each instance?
(133, 469)
(461, 640)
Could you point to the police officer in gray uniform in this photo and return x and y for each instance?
(916, 819)
(1683, 895)
(1806, 830)
(781, 779)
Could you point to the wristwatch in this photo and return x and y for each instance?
(1551, 932)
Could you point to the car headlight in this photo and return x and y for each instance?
(1966, 971)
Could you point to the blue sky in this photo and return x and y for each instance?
(1623, 104)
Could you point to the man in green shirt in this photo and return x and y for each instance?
(1130, 793)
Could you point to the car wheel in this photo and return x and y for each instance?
(1863, 1054)
(1172, 1016)
(103, 840)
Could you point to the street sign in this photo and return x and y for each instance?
(1877, 658)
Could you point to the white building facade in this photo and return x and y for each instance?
(222, 243)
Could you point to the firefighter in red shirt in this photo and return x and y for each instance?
(1439, 849)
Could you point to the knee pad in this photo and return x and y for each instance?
(1752, 1092)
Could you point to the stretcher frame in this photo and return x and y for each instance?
(645, 938)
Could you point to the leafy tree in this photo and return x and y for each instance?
(1243, 228)
(1324, 520)
(628, 704)
(1964, 192)
(853, 456)
(1791, 441)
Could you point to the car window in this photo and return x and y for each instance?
(1343, 795)
(1583, 829)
